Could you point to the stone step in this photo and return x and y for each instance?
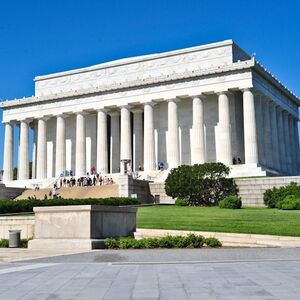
(103, 191)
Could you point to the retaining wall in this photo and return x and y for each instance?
(251, 190)
(23, 223)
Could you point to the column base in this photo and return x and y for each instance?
(247, 170)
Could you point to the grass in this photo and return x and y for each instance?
(245, 220)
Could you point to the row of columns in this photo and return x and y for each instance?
(144, 141)
(279, 147)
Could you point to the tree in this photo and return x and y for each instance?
(200, 184)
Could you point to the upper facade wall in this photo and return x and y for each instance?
(141, 68)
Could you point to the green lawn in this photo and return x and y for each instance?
(246, 220)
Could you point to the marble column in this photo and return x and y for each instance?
(80, 162)
(288, 160)
(114, 142)
(102, 149)
(275, 140)
(8, 169)
(138, 139)
(34, 148)
(125, 135)
(198, 137)
(260, 132)
(23, 165)
(292, 145)
(149, 142)
(173, 156)
(60, 163)
(267, 133)
(281, 141)
(296, 134)
(41, 160)
(250, 134)
(223, 131)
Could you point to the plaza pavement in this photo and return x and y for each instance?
(264, 273)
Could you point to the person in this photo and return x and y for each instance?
(239, 161)
(45, 197)
(94, 180)
(234, 161)
(161, 165)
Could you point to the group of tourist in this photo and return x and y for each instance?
(236, 161)
(94, 180)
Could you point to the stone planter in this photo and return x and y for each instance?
(81, 226)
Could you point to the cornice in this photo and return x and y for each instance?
(154, 80)
(273, 80)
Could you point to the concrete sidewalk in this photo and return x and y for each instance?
(155, 274)
(20, 254)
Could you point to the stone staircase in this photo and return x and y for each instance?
(8, 193)
(158, 188)
(103, 191)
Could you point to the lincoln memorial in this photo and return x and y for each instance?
(210, 103)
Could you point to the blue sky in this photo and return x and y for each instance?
(41, 37)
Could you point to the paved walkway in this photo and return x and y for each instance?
(155, 274)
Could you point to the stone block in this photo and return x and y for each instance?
(59, 227)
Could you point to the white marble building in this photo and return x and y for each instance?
(202, 104)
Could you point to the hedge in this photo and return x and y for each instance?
(274, 196)
(290, 202)
(190, 241)
(19, 206)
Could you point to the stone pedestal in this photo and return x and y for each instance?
(81, 226)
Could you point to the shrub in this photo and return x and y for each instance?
(273, 197)
(212, 242)
(200, 184)
(290, 203)
(190, 241)
(4, 243)
(181, 202)
(17, 206)
(231, 202)
(151, 243)
(111, 243)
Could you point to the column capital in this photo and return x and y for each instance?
(248, 89)
(8, 122)
(103, 110)
(43, 118)
(224, 92)
(127, 106)
(152, 104)
(200, 96)
(27, 120)
(175, 100)
(62, 115)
